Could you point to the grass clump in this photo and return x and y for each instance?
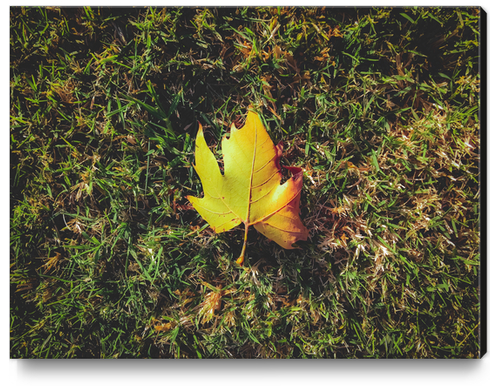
(379, 106)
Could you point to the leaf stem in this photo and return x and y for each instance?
(240, 260)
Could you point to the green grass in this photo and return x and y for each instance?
(379, 106)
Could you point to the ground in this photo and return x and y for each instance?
(380, 108)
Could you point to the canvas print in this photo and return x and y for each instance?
(245, 182)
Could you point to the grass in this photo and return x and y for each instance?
(379, 106)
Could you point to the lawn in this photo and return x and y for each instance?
(380, 107)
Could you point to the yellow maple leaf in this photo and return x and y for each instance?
(250, 190)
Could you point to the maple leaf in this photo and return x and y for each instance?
(250, 190)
